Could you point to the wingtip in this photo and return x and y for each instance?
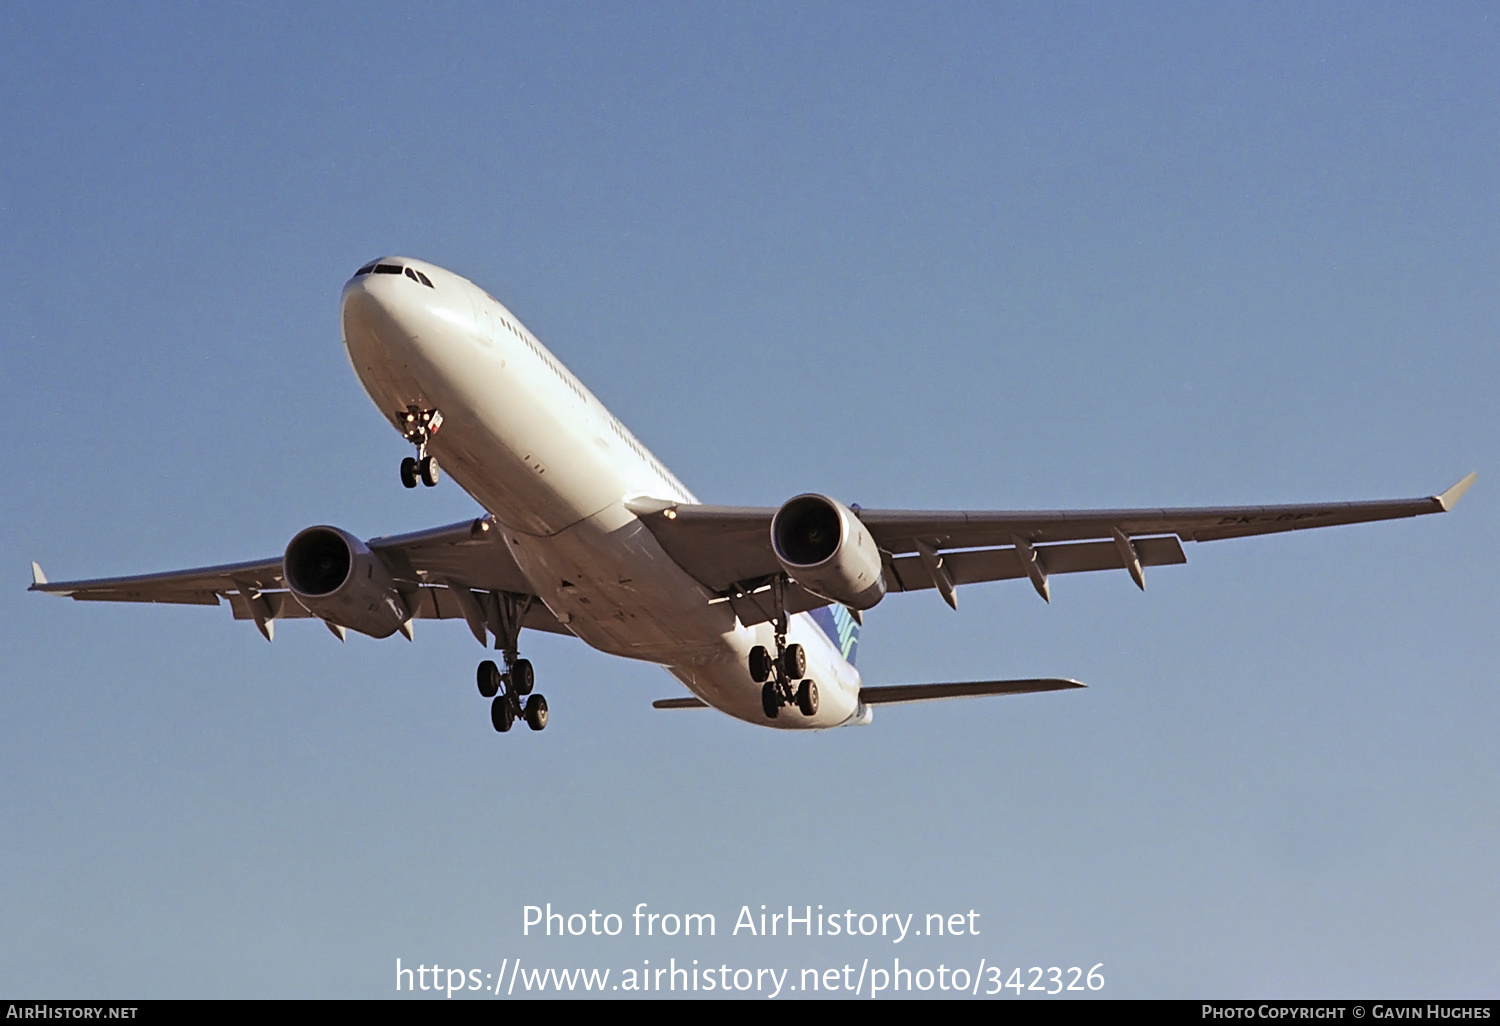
(37, 577)
(1447, 499)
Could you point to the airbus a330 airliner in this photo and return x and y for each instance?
(755, 610)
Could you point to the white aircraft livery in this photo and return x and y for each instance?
(756, 610)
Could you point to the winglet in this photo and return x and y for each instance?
(1447, 500)
(37, 577)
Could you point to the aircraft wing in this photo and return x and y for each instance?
(431, 569)
(728, 548)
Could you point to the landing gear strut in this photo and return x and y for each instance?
(417, 427)
(510, 690)
(779, 675)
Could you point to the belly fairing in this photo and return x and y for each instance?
(608, 579)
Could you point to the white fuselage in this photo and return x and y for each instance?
(527, 440)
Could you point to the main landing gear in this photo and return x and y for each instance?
(511, 694)
(417, 427)
(781, 676)
(510, 690)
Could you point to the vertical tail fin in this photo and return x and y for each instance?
(842, 629)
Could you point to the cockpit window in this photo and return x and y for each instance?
(410, 272)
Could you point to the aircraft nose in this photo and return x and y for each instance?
(364, 294)
(371, 318)
(396, 302)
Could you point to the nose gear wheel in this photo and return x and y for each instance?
(417, 426)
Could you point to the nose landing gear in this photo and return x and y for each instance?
(424, 470)
(417, 427)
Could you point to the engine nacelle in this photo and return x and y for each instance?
(336, 576)
(825, 548)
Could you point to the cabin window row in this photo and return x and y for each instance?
(640, 450)
(536, 348)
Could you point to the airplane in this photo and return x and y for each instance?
(756, 610)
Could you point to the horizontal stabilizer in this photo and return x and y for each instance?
(891, 693)
(679, 703)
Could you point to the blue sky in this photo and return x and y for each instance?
(963, 256)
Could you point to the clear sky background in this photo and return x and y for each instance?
(946, 256)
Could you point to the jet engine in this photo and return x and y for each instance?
(336, 576)
(824, 547)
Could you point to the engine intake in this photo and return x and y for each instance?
(335, 576)
(317, 562)
(823, 546)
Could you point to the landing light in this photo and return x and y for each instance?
(670, 514)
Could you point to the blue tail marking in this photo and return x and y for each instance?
(839, 625)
